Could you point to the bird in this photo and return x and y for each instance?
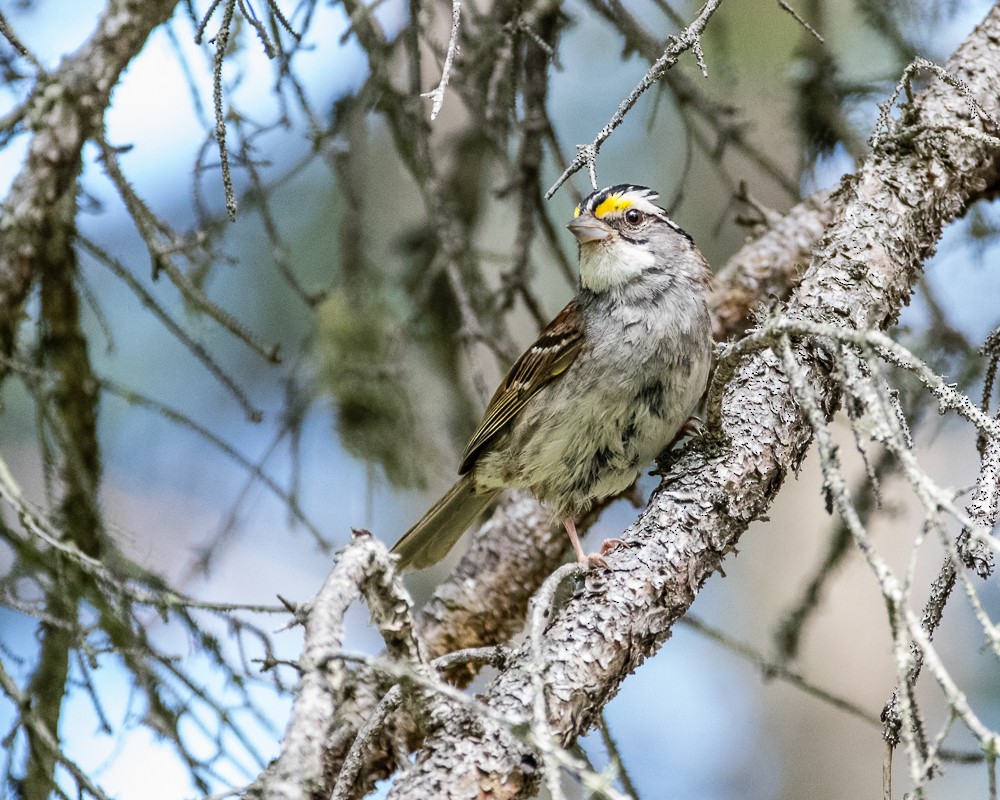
(608, 384)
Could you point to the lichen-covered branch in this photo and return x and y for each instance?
(362, 568)
(888, 220)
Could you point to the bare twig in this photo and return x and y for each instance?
(256, 471)
(7, 32)
(198, 350)
(886, 127)
(798, 18)
(437, 94)
(689, 39)
(221, 40)
(770, 670)
(163, 244)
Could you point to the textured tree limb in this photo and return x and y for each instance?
(889, 219)
(362, 568)
(768, 268)
(65, 110)
(484, 599)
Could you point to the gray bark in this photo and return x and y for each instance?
(887, 222)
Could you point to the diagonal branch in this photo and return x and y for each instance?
(689, 39)
(484, 599)
(889, 219)
(437, 94)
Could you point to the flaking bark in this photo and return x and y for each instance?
(485, 598)
(889, 219)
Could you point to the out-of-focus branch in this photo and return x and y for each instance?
(64, 113)
(37, 228)
(73, 399)
(888, 220)
(512, 551)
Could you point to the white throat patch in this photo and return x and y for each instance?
(611, 264)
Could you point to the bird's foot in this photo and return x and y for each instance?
(611, 544)
(594, 560)
(692, 426)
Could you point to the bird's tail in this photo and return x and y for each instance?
(435, 534)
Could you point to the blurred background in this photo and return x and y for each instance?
(332, 258)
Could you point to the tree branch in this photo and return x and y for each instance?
(689, 39)
(484, 599)
(888, 221)
(63, 115)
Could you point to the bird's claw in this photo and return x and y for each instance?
(611, 544)
(594, 561)
(692, 427)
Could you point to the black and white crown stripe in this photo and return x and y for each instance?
(627, 195)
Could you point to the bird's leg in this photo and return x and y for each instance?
(570, 524)
(594, 559)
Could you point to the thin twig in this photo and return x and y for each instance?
(7, 32)
(796, 16)
(162, 243)
(437, 94)
(885, 125)
(221, 40)
(198, 350)
(255, 470)
(771, 669)
(689, 39)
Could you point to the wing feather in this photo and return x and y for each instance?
(550, 356)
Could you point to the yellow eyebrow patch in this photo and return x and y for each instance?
(611, 204)
(576, 212)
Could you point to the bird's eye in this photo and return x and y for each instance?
(633, 217)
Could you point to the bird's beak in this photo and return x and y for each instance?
(588, 228)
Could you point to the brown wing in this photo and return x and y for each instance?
(550, 356)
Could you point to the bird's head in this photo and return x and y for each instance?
(622, 234)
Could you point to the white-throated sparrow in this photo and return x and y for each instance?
(606, 386)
